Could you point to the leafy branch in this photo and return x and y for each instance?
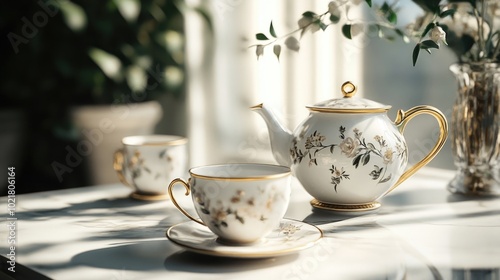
(385, 26)
(435, 32)
(443, 21)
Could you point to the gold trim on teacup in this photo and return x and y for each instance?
(246, 178)
(176, 140)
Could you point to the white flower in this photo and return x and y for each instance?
(438, 34)
(349, 147)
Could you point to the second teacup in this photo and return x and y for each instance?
(240, 203)
(148, 162)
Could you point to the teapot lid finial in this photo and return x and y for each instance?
(348, 89)
(349, 103)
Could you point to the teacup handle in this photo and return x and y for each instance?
(118, 167)
(403, 118)
(188, 191)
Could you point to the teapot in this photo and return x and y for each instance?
(347, 153)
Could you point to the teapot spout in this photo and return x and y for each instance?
(280, 136)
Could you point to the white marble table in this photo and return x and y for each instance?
(420, 232)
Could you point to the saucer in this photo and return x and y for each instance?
(149, 197)
(291, 236)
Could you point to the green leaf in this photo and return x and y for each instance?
(385, 7)
(261, 36)
(416, 51)
(334, 18)
(346, 30)
(449, 12)
(369, 2)
(428, 28)
(389, 13)
(322, 25)
(392, 17)
(272, 31)
(430, 5)
(428, 44)
(309, 14)
(402, 35)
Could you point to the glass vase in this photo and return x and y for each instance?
(475, 127)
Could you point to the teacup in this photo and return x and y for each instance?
(147, 163)
(240, 203)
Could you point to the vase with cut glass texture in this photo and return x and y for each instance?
(475, 128)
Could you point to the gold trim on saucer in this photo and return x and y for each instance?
(149, 197)
(345, 207)
(210, 245)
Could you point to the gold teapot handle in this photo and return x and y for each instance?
(403, 118)
(188, 191)
(118, 167)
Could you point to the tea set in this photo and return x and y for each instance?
(346, 154)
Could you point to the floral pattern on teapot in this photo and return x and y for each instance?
(353, 146)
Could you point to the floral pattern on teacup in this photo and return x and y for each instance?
(353, 146)
(288, 230)
(241, 207)
(137, 164)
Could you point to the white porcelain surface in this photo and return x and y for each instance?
(150, 162)
(347, 151)
(346, 159)
(290, 237)
(240, 202)
(420, 232)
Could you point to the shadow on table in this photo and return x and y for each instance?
(193, 262)
(414, 206)
(89, 208)
(150, 255)
(139, 256)
(426, 197)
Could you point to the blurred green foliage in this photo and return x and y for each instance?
(57, 54)
(47, 55)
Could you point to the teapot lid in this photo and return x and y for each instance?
(349, 103)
